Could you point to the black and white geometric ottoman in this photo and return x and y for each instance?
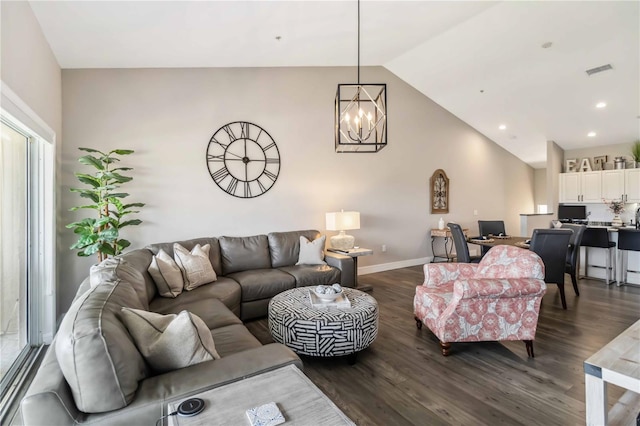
(325, 331)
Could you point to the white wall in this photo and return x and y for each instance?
(540, 188)
(31, 73)
(169, 115)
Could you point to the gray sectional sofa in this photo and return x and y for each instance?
(94, 374)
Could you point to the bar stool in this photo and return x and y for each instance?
(628, 240)
(599, 238)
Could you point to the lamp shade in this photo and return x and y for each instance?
(340, 221)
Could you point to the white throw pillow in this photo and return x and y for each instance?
(312, 252)
(166, 274)
(195, 265)
(169, 342)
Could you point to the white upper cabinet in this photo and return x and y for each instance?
(592, 187)
(570, 188)
(632, 185)
(613, 184)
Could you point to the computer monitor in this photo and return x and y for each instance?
(571, 212)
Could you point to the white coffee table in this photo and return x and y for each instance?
(299, 400)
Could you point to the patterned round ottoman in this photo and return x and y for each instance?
(323, 331)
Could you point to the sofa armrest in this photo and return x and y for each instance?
(437, 274)
(345, 264)
(499, 288)
(48, 399)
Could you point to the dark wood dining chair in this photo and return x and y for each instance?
(552, 246)
(460, 242)
(490, 227)
(573, 254)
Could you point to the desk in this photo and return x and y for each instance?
(618, 362)
(299, 400)
(448, 243)
(498, 241)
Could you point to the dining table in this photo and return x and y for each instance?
(496, 240)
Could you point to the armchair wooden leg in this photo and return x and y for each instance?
(418, 323)
(529, 345)
(446, 348)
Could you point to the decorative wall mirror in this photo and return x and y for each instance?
(439, 192)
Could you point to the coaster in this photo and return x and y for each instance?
(265, 415)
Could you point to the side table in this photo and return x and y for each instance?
(448, 243)
(355, 253)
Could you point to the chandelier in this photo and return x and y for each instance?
(361, 114)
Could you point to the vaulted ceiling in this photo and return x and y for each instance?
(519, 64)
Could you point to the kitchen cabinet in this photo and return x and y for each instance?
(632, 186)
(592, 187)
(613, 184)
(581, 187)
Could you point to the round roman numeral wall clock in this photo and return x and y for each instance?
(243, 159)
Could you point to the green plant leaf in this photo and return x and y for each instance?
(121, 168)
(88, 179)
(122, 244)
(90, 160)
(118, 195)
(91, 150)
(122, 151)
(92, 249)
(130, 222)
(89, 206)
(107, 248)
(126, 206)
(90, 195)
(84, 222)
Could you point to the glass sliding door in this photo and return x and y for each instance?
(14, 213)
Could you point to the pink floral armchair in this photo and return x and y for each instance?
(497, 299)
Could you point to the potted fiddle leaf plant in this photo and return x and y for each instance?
(101, 234)
(635, 153)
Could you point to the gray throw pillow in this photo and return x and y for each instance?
(312, 252)
(195, 265)
(166, 274)
(169, 342)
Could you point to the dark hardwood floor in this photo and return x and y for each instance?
(402, 379)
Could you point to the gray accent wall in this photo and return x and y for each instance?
(169, 115)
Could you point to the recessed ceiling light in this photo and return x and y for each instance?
(502, 127)
(591, 134)
(601, 104)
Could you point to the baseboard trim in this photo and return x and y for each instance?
(371, 269)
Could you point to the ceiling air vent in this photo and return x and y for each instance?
(599, 69)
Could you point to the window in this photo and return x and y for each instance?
(27, 242)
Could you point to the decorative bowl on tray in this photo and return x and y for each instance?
(328, 293)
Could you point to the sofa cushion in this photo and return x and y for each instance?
(285, 246)
(170, 342)
(313, 274)
(233, 339)
(263, 283)
(166, 274)
(195, 265)
(312, 252)
(114, 269)
(214, 251)
(244, 253)
(202, 303)
(96, 353)
(140, 259)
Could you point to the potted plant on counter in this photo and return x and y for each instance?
(617, 207)
(635, 153)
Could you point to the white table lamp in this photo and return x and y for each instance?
(342, 221)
